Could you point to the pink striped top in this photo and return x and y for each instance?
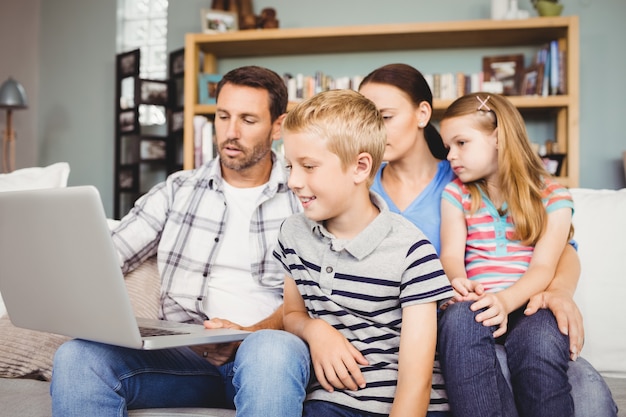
(492, 255)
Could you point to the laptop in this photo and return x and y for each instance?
(60, 273)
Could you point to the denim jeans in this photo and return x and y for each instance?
(93, 379)
(533, 363)
(326, 409)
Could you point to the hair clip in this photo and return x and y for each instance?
(483, 104)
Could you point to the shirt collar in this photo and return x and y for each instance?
(365, 242)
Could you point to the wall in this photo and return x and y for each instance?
(63, 52)
(19, 49)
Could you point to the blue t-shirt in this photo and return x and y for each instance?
(425, 211)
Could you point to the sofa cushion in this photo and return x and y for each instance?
(28, 353)
(600, 229)
(52, 176)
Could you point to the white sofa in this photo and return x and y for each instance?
(600, 229)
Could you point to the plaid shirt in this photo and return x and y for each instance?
(182, 220)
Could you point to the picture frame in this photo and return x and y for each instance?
(154, 92)
(152, 150)
(177, 63)
(532, 80)
(177, 120)
(506, 69)
(219, 21)
(553, 163)
(128, 64)
(128, 122)
(207, 87)
(128, 178)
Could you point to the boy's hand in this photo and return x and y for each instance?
(335, 361)
(495, 313)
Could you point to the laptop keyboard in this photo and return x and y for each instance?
(152, 331)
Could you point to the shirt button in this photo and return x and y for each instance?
(199, 298)
(205, 274)
(217, 239)
(329, 269)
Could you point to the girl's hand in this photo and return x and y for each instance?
(335, 360)
(495, 313)
(467, 290)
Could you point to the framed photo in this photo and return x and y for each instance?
(553, 163)
(128, 64)
(128, 178)
(532, 80)
(207, 85)
(153, 92)
(152, 149)
(506, 69)
(176, 121)
(177, 63)
(128, 122)
(219, 21)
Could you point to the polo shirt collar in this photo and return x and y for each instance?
(365, 242)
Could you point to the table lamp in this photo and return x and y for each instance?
(12, 96)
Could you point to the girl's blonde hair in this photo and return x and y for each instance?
(520, 170)
(348, 121)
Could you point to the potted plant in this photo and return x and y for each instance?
(547, 7)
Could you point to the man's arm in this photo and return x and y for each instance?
(558, 297)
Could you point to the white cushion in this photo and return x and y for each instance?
(52, 176)
(600, 230)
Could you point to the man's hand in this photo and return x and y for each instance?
(567, 315)
(218, 353)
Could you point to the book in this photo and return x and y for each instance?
(198, 123)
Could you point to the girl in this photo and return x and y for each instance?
(504, 225)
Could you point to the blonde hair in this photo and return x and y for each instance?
(520, 170)
(349, 122)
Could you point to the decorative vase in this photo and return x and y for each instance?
(548, 8)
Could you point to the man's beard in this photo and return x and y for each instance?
(250, 157)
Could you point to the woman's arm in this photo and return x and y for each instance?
(335, 360)
(558, 297)
(417, 353)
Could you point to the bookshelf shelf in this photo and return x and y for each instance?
(403, 36)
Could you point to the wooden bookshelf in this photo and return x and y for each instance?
(404, 36)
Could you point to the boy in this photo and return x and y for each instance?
(362, 283)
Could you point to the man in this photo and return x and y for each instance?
(213, 230)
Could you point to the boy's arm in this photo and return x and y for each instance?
(558, 297)
(335, 360)
(417, 353)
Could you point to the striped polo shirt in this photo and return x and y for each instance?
(359, 286)
(493, 256)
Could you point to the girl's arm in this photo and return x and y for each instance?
(543, 263)
(417, 353)
(335, 360)
(453, 241)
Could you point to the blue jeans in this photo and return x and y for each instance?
(93, 379)
(533, 363)
(326, 409)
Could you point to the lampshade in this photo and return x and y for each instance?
(12, 95)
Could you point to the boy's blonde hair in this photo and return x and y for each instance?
(349, 122)
(520, 170)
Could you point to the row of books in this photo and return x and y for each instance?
(550, 65)
(301, 87)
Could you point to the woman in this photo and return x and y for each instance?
(411, 182)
